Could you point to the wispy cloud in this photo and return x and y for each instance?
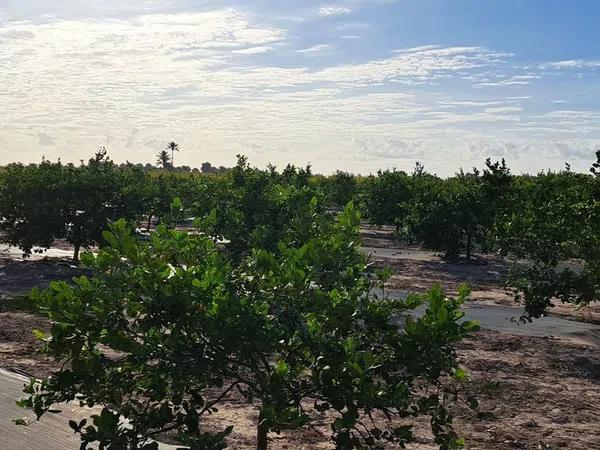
(333, 10)
(316, 48)
(229, 81)
(515, 80)
(572, 64)
(253, 50)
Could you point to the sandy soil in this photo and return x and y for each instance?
(484, 277)
(534, 392)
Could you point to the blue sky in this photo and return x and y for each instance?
(356, 85)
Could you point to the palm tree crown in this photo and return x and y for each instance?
(174, 147)
(163, 159)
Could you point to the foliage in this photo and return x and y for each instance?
(258, 209)
(446, 215)
(557, 234)
(385, 197)
(28, 205)
(549, 221)
(340, 189)
(164, 330)
(41, 203)
(172, 147)
(163, 159)
(93, 195)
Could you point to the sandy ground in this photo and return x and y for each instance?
(534, 392)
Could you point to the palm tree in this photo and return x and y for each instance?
(174, 147)
(163, 159)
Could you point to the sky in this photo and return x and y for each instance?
(354, 85)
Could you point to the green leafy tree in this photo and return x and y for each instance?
(162, 187)
(257, 208)
(30, 205)
(92, 197)
(41, 203)
(556, 233)
(164, 330)
(500, 198)
(385, 196)
(446, 215)
(340, 189)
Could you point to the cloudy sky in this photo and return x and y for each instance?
(350, 84)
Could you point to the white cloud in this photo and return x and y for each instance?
(202, 79)
(253, 50)
(316, 48)
(571, 64)
(333, 10)
(504, 110)
(515, 80)
(412, 66)
(470, 103)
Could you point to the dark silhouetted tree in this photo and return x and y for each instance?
(173, 147)
(163, 159)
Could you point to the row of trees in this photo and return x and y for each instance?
(547, 219)
(281, 313)
(48, 201)
(40, 203)
(547, 224)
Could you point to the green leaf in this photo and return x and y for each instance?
(40, 335)
(281, 367)
(110, 237)
(442, 315)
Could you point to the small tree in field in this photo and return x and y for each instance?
(30, 205)
(93, 195)
(166, 329)
(557, 231)
(446, 215)
(385, 196)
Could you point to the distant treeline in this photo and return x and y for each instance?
(547, 218)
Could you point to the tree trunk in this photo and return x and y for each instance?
(468, 246)
(262, 431)
(76, 252)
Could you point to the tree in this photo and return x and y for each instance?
(595, 169)
(164, 159)
(292, 331)
(173, 147)
(258, 208)
(207, 167)
(94, 195)
(30, 205)
(446, 215)
(341, 188)
(556, 231)
(499, 200)
(385, 197)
